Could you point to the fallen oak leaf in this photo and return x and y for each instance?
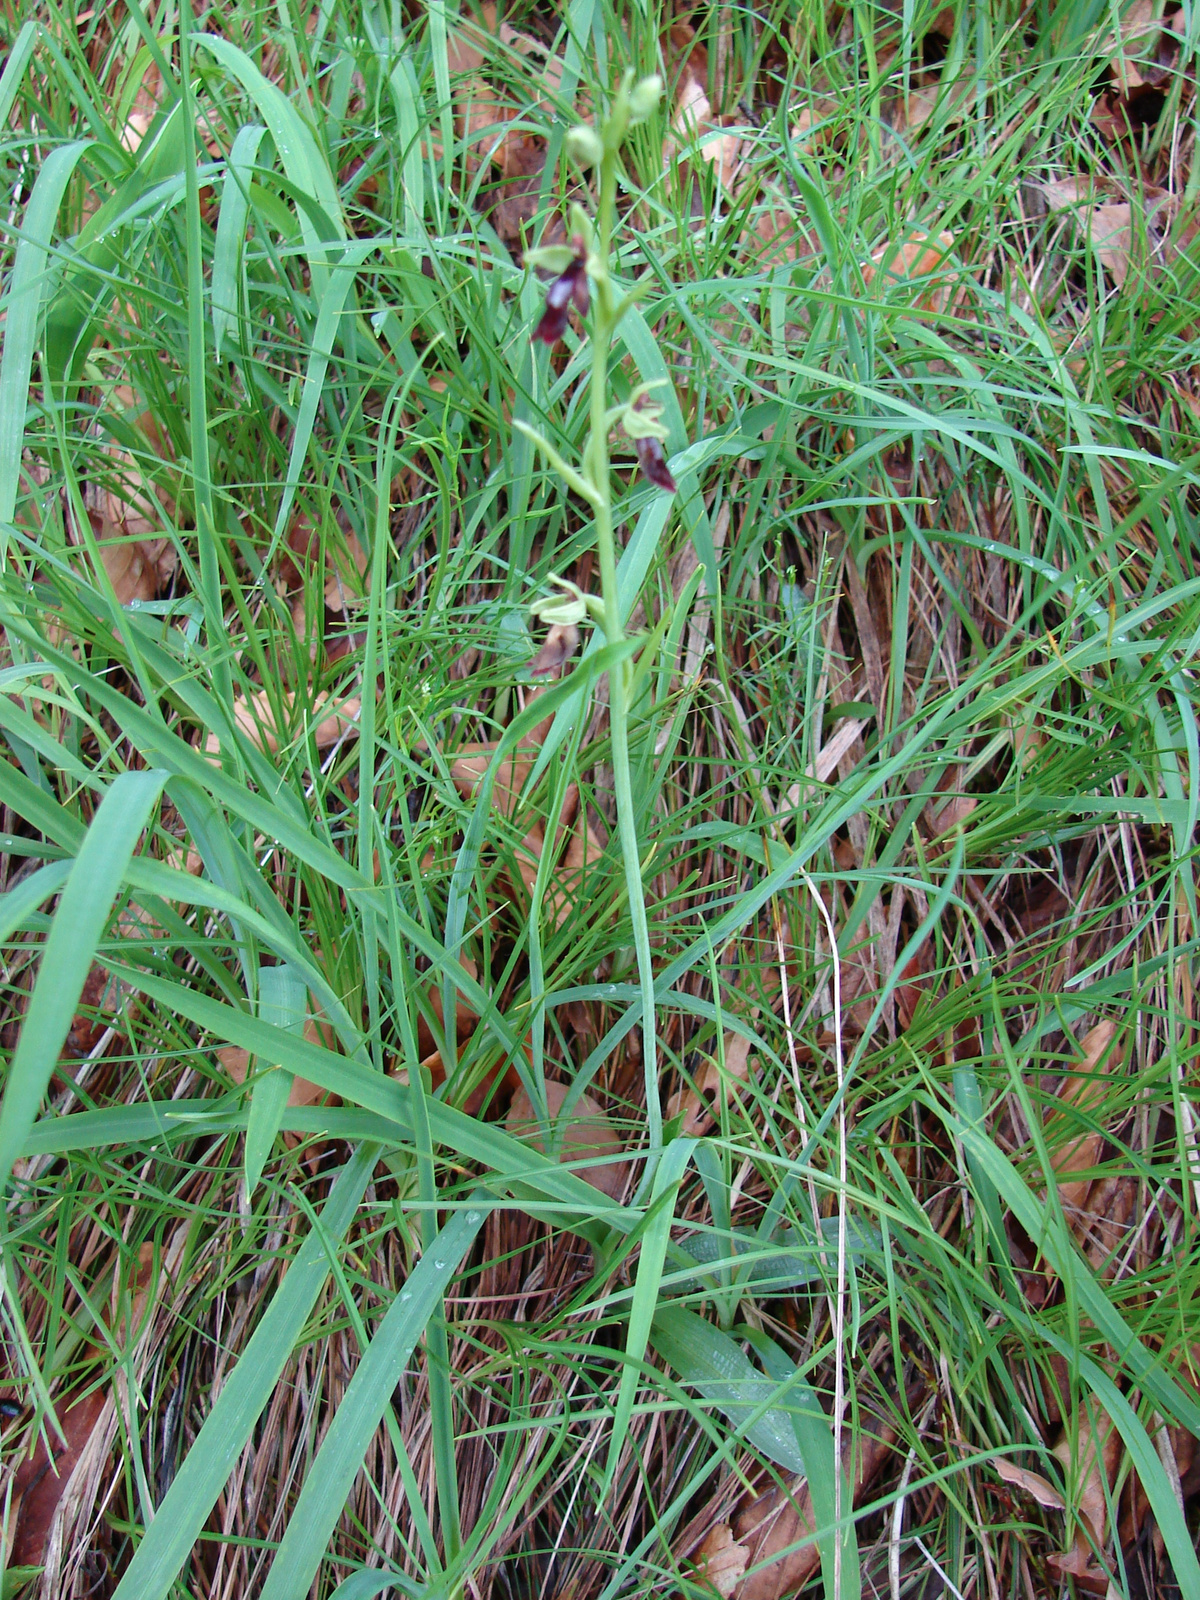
(721, 1561)
(1033, 1483)
(254, 715)
(1080, 1091)
(589, 1134)
(236, 1063)
(716, 1081)
(918, 257)
(770, 1524)
(136, 568)
(41, 1480)
(1096, 1450)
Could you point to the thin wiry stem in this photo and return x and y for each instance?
(837, 1309)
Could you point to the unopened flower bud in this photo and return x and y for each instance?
(644, 98)
(584, 146)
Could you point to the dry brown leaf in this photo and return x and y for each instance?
(769, 1524)
(236, 1062)
(137, 568)
(720, 1561)
(920, 256)
(1110, 228)
(483, 116)
(346, 562)
(694, 121)
(588, 1134)
(1042, 1490)
(922, 103)
(694, 1106)
(1096, 1452)
(777, 236)
(39, 1482)
(1139, 30)
(953, 813)
(1082, 1090)
(254, 716)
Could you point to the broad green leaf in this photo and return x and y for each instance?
(710, 1362)
(790, 1260)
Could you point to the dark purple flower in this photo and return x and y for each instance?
(654, 463)
(570, 287)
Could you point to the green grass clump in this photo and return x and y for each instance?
(879, 780)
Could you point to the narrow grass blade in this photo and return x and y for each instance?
(70, 949)
(1049, 1235)
(231, 228)
(298, 151)
(169, 1539)
(14, 68)
(648, 1286)
(22, 314)
(533, 1177)
(332, 303)
(282, 1000)
(380, 1370)
(366, 1585)
(18, 903)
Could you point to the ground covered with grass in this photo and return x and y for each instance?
(361, 1235)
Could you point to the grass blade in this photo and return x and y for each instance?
(182, 1515)
(380, 1370)
(26, 295)
(78, 928)
(282, 1002)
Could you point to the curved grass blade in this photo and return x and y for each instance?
(231, 228)
(332, 302)
(14, 68)
(1048, 1233)
(20, 902)
(169, 1539)
(647, 1287)
(22, 317)
(332, 1474)
(540, 1184)
(70, 949)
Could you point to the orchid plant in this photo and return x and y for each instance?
(583, 281)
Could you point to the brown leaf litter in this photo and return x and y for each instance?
(589, 1133)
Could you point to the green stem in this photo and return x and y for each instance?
(598, 471)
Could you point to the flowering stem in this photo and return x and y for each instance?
(599, 472)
